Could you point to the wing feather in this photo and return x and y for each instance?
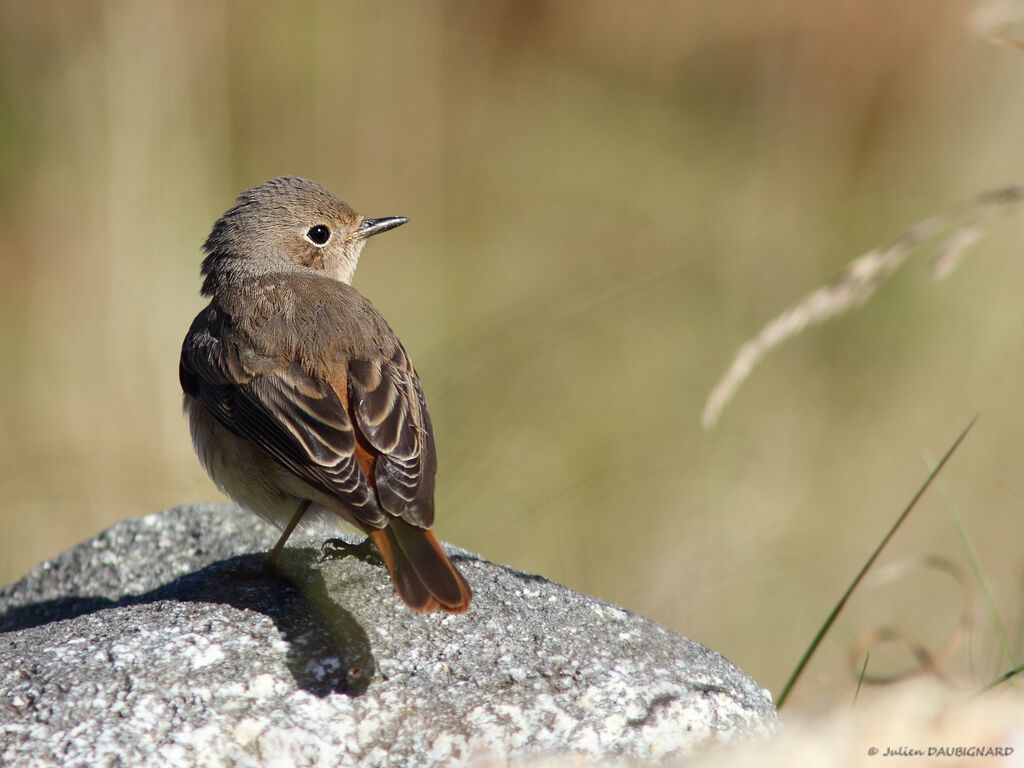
(319, 427)
(389, 411)
(296, 418)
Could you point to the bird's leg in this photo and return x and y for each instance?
(272, 558)
(336, 549)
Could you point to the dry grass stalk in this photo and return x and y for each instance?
(963, 224)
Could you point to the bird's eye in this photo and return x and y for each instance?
(319, 234)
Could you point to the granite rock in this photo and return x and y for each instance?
(163, 641)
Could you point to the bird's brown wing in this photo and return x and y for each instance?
(363, 437)
(387, 405)
(297, 419)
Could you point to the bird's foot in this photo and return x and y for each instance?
(336, 549)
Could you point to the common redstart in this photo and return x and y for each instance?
(303, 403)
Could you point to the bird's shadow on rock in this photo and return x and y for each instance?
(328, 650)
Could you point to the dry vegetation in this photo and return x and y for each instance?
(605, 200)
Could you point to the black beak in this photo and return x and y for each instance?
(371, 227)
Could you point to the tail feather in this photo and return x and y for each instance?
(425, 578)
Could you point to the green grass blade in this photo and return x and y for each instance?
(1005, 646)
(1002, 678)
(860, 680)
(805, 659)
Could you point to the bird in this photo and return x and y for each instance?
(302, 402)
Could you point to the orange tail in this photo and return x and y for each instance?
(422, 573)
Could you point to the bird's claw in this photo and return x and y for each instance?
(336, 549)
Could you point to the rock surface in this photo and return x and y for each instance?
(163, 642)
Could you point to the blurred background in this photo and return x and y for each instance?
(605, 201)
